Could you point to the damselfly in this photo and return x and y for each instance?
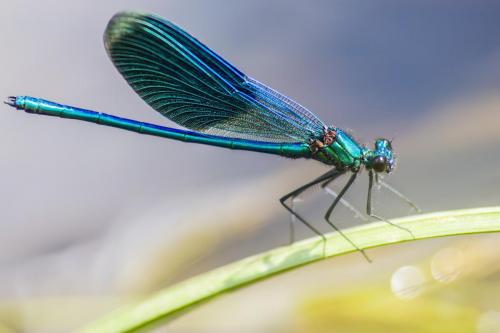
(193, 86)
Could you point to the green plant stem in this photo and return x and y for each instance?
(168, 303)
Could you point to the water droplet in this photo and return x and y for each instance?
(446, 265)
(407, 282)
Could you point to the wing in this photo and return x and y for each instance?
(194, 87)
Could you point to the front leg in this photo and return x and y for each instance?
(369, 207)
(399, 194)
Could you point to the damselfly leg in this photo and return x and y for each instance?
(332, 207)
(330, 174)
(398, 194)
(325, 180)
(369, 206)
(354, 210)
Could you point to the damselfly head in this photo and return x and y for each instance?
(381, 158)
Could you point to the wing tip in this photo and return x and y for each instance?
(118, 24)
(124, 22)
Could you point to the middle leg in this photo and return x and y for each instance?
(332, 207)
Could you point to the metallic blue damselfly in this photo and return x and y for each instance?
(193, 86)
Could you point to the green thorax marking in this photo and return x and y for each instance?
(343, 152)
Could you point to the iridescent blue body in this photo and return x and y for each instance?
(193, 86)
(343, 152)
(40, 106)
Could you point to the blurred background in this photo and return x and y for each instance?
(93, 218)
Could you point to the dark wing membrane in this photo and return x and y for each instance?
(194, 87)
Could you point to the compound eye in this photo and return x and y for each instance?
(379, 164)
